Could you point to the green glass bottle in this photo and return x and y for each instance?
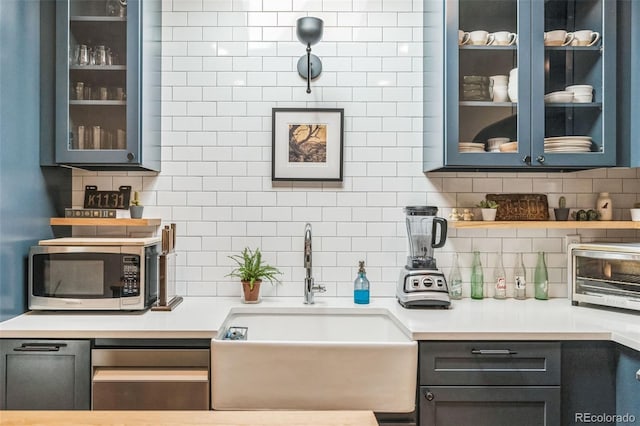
(477, 277)
(541, 278)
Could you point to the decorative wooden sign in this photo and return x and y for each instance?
(94, 199)
(521, 206)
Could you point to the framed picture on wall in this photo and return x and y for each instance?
(307, 144)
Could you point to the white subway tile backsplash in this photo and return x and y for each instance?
(226, 64)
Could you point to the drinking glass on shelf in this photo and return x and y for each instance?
(82, 54)
(100, 55)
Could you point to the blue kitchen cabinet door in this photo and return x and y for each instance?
(533, 70)
(628, 385)
(108, 85)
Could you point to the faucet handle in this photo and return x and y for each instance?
(319, 288)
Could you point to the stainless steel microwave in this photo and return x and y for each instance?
(96, 274)
(606, 274)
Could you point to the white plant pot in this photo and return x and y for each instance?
(635, 215)
(489, 214)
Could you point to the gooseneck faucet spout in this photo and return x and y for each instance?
(309, 287)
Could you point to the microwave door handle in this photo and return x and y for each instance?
(70, 301)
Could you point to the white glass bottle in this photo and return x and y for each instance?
(499, 280)
(455, 280)
(520, 279)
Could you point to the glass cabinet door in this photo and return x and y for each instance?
(92, 79)
(574, 83)
(487, 110)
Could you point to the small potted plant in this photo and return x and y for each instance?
(635, 212)
(136, 207)
(489, 209)
(562, 211)
(251, 270)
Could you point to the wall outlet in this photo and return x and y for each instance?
(570, 239)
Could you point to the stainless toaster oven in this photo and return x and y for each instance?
(606, 274)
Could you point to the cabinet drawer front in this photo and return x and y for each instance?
(490, 363)
(489, 406)
(151, 395)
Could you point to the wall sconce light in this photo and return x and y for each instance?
(309, 31)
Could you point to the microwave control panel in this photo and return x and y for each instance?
(130, 276)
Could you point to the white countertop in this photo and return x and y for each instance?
(488, 319)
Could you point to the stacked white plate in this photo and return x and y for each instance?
(563, 96)
(470, 147)
(568, 144)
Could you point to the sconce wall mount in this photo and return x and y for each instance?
(309, 32)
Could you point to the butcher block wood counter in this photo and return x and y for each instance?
(188, 418)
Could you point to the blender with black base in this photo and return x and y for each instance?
(421, 284)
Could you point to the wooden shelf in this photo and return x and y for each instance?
(79, 221)
(547, 224)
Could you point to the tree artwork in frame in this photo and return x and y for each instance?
(307, 144)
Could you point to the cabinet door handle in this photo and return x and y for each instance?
(540, 159)
(638, 375)
(39, 347)
(429, 395)
(526, 159)
(493, 352)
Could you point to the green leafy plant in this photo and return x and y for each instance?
(487, 204)
(251, 268)
(136, 201)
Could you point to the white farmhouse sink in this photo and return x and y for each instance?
(314, 358)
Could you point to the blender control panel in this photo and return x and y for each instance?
(422, 282)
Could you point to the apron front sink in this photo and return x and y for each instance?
(313, 358)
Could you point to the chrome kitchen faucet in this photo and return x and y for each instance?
(309, 287)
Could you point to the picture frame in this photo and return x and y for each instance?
(307, 144)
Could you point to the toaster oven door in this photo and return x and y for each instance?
(606, 274)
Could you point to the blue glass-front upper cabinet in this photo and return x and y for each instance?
(529, 85)
(108, 84)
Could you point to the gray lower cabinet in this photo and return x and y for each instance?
(489, 383)
(489, 406)
(40, 374)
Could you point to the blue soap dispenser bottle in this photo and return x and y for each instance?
(361, 286)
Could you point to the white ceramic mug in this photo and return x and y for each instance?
(557, 38)
(463, 37)
(500, 94)
(585, 38)
(479, 38)
(503, 38)
(499, 80)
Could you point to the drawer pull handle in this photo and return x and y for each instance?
(39, 347)
(429, 395)
(493, 352)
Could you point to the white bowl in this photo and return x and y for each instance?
(559, 97)
(497, 141)
(582, 98)
(580, 89)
